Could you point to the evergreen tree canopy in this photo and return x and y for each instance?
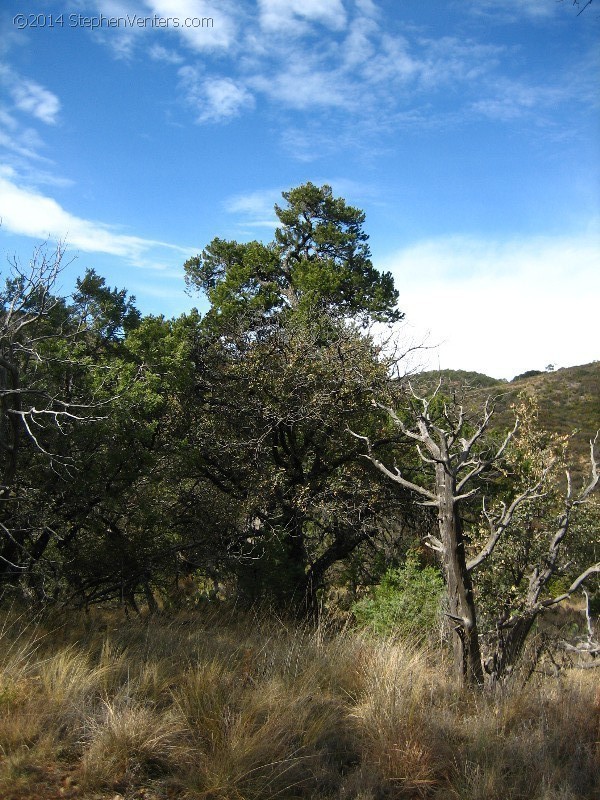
(320, 259)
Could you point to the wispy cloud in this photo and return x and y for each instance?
(371, 71)
(30, 97)
(159, 53)
(255, 209)
(27, 103)
(343, 57)
(367, 7)
(214, 99)
(33, 174)
(502, 307)
(217, 32)
(358, 62)
(293, 16)
(511, 100)
(22, 142)
(302, 84)
(514, 10)
(27, 212)
(224, 99)
(202, 26)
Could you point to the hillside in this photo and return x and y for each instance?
(569, 398)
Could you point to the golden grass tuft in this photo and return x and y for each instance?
(124, 741)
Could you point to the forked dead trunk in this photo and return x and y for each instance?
(462, 615)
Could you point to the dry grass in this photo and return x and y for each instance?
(193, 708)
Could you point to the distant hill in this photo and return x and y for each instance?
(455, 379)
(568, 399)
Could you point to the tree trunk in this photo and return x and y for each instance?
(461, 612)
(509, 648)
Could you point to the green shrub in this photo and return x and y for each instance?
(406, 602)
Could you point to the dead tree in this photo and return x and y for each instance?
(455, 458)
(33, 407)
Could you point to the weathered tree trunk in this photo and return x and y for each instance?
(510, 643)
(461, 611)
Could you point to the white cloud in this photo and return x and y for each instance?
(367, 7)
(292, 15)
(303, 84)
(342, 56)
(22, 142)
(7, 120)
(159, 53)
(358, 46)
(393, 61)
(512, 100)
(370, 70)
(122, 40)
(224, 99)
(219, 34)
(30, 97)
(449, 60)
(118, 8)
(255, 208)
(514, 10)
(201, 25)
(29, 213)
(215, 99)
(502, 308)
(7, 172)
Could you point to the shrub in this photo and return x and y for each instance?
(406, 602)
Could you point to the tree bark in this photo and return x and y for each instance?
(510, 643)
(461, 606)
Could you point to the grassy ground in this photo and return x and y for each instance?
(215, 708)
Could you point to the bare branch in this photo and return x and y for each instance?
(398, 422)
(466, 495)
(467, 444)
(395, 476)
(595, 471)
(501, 523)
(425, 401)
(573, 587)
(433, 543)
(483, 463)
(399, 479)
(581, 8)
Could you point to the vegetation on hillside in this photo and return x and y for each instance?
(568, 399)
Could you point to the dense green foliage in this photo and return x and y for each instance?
(407, 602)
(319, 261)
(210, 449)
(159, 462)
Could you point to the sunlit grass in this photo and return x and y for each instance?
(245, 708)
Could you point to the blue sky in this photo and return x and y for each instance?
(469, 132)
